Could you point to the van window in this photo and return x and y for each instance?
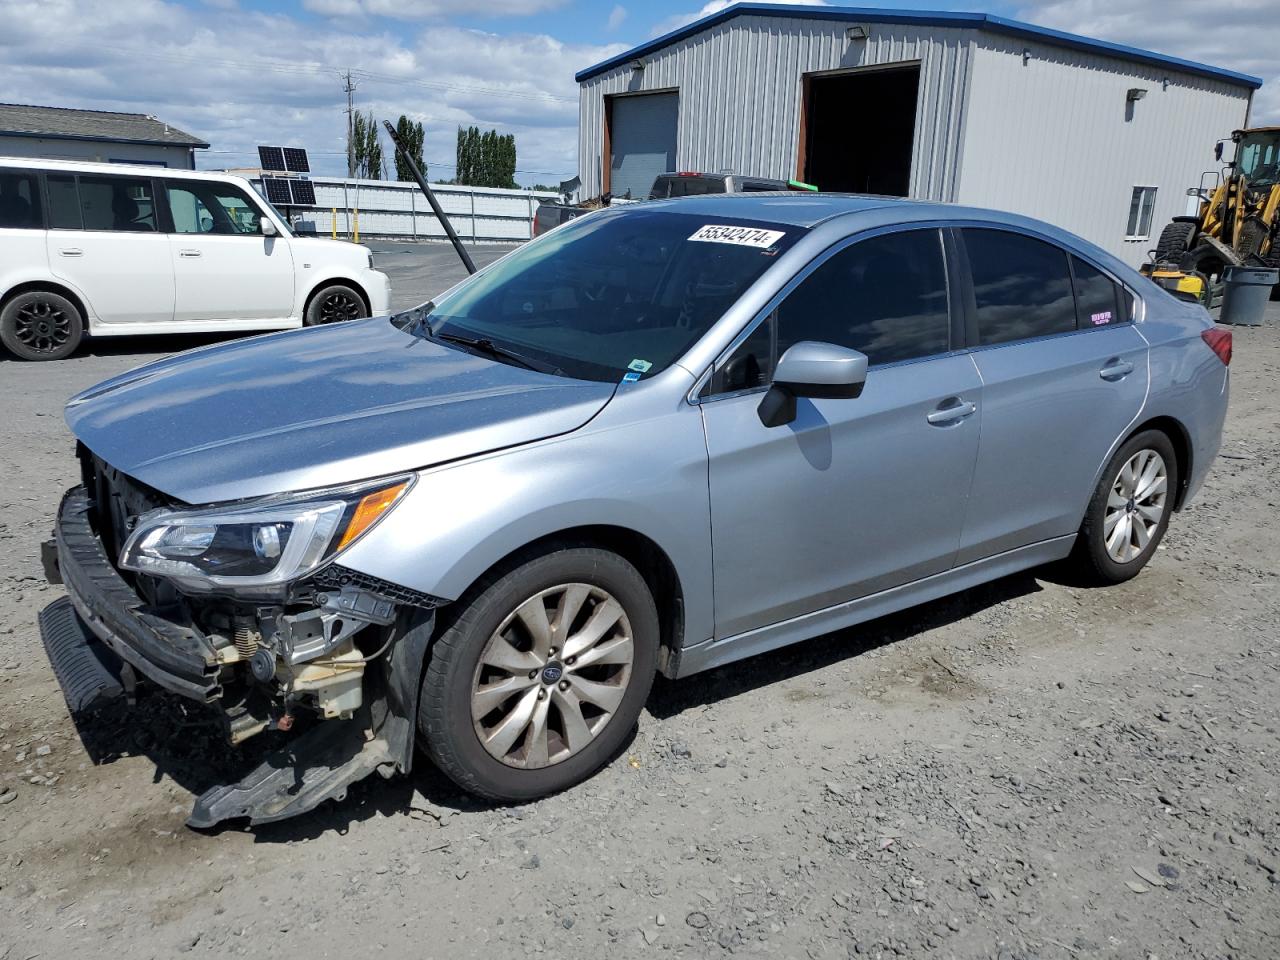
(1021, 286)
(200, 207)
(64, 202)
(118, 204)
(20, 200)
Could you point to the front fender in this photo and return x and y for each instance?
(460, 520)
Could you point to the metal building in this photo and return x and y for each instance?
(1099, 138)
(64, 133)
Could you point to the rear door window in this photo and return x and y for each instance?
(1021, 286)
(1100, 301)
(20, 200)
(119, 204)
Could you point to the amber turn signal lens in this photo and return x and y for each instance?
(370, 508)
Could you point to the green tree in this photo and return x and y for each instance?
(411, 135)
(486, 159)
(368, 147)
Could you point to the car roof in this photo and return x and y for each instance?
(806, 209)
(131, 169)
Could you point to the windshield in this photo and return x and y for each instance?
(620, 294)
(1258, 157)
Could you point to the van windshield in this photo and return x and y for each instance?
(621, 291)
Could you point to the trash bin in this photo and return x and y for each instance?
(1245, 295)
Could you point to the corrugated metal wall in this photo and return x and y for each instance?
(1054, 139)
(740, 92)
(394, 209)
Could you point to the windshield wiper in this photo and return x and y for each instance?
(487, 346)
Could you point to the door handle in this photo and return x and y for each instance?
(1116, 369)
(188, 253)
(950, 411)
(71, 252)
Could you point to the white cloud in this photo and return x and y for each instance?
(429, 9)
(224, 76)
(616, 16)
(1239, 35)
(715, 6)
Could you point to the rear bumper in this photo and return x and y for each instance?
(172, 656)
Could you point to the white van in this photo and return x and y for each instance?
(113, 249)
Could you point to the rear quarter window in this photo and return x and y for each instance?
(1100, 301)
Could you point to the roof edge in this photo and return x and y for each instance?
(943, 18)
(192, 144)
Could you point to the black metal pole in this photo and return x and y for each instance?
(431, 198)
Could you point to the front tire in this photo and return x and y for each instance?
(335, 303)
(41, 325)
(542, 675)
(1130, 509)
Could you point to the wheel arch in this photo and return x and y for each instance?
(642, 552)
(1181, 440)
(48, 286)
(344, 281)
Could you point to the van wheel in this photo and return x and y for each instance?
(40, 325)
(541, 676)
(1130, 509)
(334, 304)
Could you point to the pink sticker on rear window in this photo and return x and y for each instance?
(1100, 318)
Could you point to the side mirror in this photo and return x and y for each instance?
(811, 369)
(268, 228)
(1217, 150)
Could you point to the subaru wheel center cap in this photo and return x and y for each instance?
(552, 673)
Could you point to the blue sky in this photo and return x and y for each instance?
(243, 72)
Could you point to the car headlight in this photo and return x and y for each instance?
(370, 252)
(256, 548)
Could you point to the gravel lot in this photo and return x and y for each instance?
(1028, 769)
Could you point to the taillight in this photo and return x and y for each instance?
(1219, 342)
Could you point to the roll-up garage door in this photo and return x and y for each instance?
(642, 135)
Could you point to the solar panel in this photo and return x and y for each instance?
(277, 191)
(295, 160)
(271, 158)
(304, 193)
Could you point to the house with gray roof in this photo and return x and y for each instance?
(65, 133)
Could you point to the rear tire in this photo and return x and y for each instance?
(1129, 511)
(41, 325)
(335, 303)
(512, 717)
(1175, 240)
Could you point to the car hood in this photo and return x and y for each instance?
(317, 407)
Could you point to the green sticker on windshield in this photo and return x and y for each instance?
(639, 366)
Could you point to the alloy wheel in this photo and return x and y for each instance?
(1135, 506)
(553, 674)
(42, 326)
(339, 307)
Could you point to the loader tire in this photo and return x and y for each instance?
(1175, 240)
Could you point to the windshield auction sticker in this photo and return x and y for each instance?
(739, 236)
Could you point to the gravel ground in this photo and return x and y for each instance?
(1028, 769)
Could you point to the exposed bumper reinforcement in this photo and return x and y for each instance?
(171, 656)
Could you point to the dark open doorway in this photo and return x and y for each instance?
(858, 130)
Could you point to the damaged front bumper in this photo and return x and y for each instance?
(105, 636)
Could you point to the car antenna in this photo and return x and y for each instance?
(431, 197)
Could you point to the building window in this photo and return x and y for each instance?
(1141, 207)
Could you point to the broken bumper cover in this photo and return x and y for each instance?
(171, 656)
(102, 610)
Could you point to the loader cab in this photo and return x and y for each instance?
(1258, 156)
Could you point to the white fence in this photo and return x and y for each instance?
(389, 208)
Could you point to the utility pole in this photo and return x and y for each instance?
(350, 88)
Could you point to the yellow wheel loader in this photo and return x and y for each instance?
(1238, 223)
